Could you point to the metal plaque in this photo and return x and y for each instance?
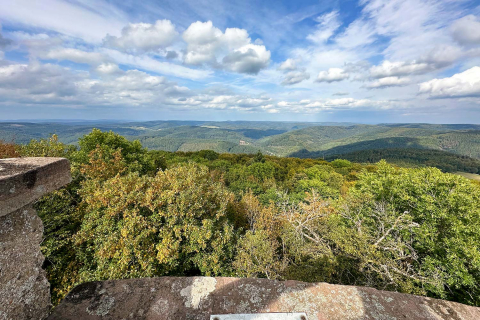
(260, 316)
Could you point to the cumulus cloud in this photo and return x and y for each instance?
(143, 37)
(388, 82)
(466, 30)
(248, 59)
(326, 27)
(332, 75)
(288, 65)
(203, 41)
(441, 56)
(294, 77)
(140, 86)
(399, 68)
(464, 84)
(108, 69)
(37, 82)
(206, 44)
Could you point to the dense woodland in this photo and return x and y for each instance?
(132, 212)
(295, 139)
(445, 161)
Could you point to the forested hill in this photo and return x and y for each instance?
(296, 139)
(409, 157)
(130, 212)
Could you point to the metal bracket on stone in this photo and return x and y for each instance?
(24, 288)
(260, 316)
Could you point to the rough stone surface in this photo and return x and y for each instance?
(24, 289)
(24, 180)
(197, 298)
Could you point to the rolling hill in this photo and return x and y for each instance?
(294, 139)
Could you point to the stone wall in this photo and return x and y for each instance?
(24, 289)
(196, 298)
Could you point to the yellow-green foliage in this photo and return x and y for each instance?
(131, 212)
(141, 226)
(46, 148)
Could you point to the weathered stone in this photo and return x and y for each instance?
(24, 289)
(199, 297)
(24, 180)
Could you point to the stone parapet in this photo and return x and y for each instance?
(24, 289)
(197, 298)
(24, 180)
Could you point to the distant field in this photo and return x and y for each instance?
(472, 176)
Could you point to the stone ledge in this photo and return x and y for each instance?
(24, 180)
(196, 298)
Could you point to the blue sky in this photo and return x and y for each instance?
(358, 61)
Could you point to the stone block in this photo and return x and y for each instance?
(24, 289)
(196, 298)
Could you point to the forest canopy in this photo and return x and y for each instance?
(131, 212)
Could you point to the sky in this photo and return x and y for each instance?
(367, 61)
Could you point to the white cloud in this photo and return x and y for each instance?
(148, 63)
(270, 108)
(399, 68)
(294, 77)
(90, 21)
(235, 38)
(327, 25)
(332, 75)
(37, 82)
(238, 102)
(388, 82)
(288, 65)
(143, 37)
(203, 40)
(466, 30)
(207, 44)
(307, 106)
(464, 84)
(442, 55)
(439, 57)
(108, 69)
(358, 33)
(50, 84)
(412, 27)
(249, 59)
(75, 55)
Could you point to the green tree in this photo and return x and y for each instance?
(172, 223)
(435, 219)
(323, 179)
(50, 147)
